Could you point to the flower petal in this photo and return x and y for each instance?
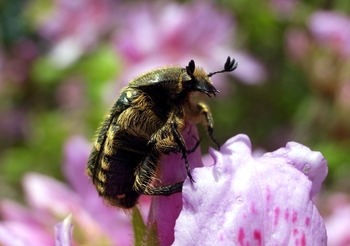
(77, 150)
(332, 29)
(243, 200)
(7, 237)
(47, 194)
(18, 233)
(165, 210)
(338, 221)
(13, 211)
(51, 197)
(114, 222)
(63, 232)
(311, 163)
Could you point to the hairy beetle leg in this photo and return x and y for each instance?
(204, 109)
(189, 151)
(143, 179)
(210, 133)
(179, 140)
(164, 190)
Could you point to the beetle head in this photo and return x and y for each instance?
(200, 81)
(196, 79)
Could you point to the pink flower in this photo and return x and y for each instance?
(338, 222)
(152, 36)
(238, 200)
(284, 7)
(297, 43)
(50, 201)
(75, 27)
(328, 30)
(331, 29)
(64, 231)
(165, 210)
(242, 200)
(113, 221)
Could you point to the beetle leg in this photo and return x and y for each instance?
(165, 143)
(167, 147)
(162, 142)
(145, 171)
(164, 190)
(144, 175)
(204, 110)
(180, 141)
(189, 151)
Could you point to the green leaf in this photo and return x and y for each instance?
(138, 226)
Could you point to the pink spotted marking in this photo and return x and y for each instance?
(296, 241)
(277, 215)
(268, 194)
(307, 221)
(303, 240)
(257, 236)
(295, 232)
(286, 214)
(294, 217)
(241, 236)
(253, 209)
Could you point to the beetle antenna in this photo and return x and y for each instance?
(190, 68)
(229, 66)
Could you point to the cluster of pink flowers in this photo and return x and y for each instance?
(338, 220)
(328, 30)
(323, 51)
(74, 28)
(238, 199)
(51, 201)
(176, 34)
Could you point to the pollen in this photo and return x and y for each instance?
(128, 94)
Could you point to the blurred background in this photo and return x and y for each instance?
(62, 64)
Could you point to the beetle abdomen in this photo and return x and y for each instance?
(115, 178)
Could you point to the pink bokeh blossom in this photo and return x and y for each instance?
(331, 29)
(158, 35)
(50, 201)
(74, 27)
(338, 221)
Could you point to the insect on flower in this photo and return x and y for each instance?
(144, 123)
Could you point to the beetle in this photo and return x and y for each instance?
(144, 123)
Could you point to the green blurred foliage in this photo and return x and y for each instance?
(287, 107)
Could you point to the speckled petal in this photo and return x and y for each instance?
(242, 200)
